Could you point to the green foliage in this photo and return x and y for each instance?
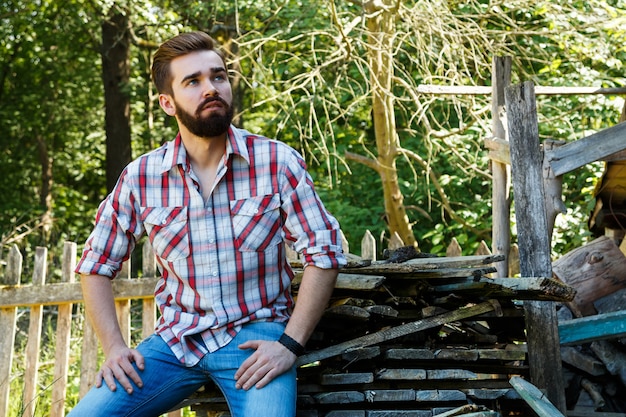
(307, 82)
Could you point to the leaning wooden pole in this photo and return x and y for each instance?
(544, 354)
(501, 202)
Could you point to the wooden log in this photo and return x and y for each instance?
(8, 324)
(395, 332)
(588, 329)
(535, 398)
(593, 269)
(534, 246)
(34, 337)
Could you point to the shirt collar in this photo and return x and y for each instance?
(176, 154)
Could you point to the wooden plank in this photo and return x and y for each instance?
(71, 293)
(501, 187)
(402, 374)
(585, 363)
(34, 337)
(588, 329)
(539, 288)
(540, 90)
(534, 398)
(583, 151)
(440, 395)
(347, 378)
(8, 316)
(534, 246)
(447, 273)
(149, 269)
(395, 332)
(63, 336)
(423, 264)
(88, 358)
(340, 397)
(390, 395)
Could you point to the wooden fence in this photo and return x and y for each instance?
(64, 295)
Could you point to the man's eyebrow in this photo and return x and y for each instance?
(214, 70)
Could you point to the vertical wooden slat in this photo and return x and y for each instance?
(8, 325)
(34, 336)
(501, 201)
(544, 354)
(123, 306)
(88, 358)
(63, 336)
(368, 246)
(148, 322)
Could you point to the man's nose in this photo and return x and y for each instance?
(209, 89)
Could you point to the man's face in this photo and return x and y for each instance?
(202, 95)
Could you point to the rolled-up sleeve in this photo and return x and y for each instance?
(315, 232)
(114, 235)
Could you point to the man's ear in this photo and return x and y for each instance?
(167, 104)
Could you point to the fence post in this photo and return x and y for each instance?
(148, 316)
(368, 246)
(63, 336)
(8, 325)
(501, 172)
(34, 335)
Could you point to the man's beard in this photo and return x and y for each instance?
(207, 126)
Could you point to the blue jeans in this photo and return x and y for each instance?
(166, 382)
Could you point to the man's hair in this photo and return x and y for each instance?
(180, 45)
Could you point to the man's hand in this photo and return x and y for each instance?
(119, 366)
(269, 360)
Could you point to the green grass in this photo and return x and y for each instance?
(45, 380)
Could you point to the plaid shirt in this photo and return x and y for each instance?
(222, 261)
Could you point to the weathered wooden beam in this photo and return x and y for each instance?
(398, 331)
(535, 398)
(589, 149)
(588, 329)
(486, 90)
(534, 246)
(70, 292)
(539, 288)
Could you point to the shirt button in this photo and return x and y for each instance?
(214, 273)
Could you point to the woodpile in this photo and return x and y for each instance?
(592, 328)
(424, 337)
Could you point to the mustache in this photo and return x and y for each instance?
(210, 100)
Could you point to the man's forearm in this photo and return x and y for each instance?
(100, 308)
(315, 290)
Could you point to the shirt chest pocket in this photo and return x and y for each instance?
(257, 224)
(168, 231)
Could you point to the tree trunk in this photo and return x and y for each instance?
(115, 76)
(381, 29)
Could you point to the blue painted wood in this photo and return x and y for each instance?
(590, 328)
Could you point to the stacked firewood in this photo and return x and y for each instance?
(427, 336)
